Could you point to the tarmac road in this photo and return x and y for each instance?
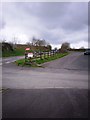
(58, 90)
(11, 59)
(68, 72)
(45, 103)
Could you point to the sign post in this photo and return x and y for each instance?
(27, 49)
(28, 55)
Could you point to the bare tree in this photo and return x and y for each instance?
(49, 47)
(65, 46)
(14, 42)
(82, 47)
(3, 40)
(34, 41)
(41, 42)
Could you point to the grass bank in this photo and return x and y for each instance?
(36, 62)
(15, 52)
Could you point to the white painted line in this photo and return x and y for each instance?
(8, 62)
(0, 63)
(58, 87)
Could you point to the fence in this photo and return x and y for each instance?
(40, 55)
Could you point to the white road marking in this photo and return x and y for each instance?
(8, 62)
(0, 63)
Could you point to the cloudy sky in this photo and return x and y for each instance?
(56, 22)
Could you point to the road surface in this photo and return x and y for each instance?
(57, 90)
(68, 72)
(11, 59)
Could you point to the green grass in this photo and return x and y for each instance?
(16, 52)
(39, 61)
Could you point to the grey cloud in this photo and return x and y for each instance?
(69, 16)
(55, 22)
(76, 17)
(2, 24)
(72, 16)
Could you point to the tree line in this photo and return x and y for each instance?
(36, 45)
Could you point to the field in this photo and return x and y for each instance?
(15, 52)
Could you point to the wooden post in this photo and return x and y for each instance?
(53, 52)
(44, 55)
(48, 53)
(40, 55)
(26, 56)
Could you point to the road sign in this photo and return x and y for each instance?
(27, 49)
(30, 55)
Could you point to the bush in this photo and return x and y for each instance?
(7, 47)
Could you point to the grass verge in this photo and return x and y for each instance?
(37, 62)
